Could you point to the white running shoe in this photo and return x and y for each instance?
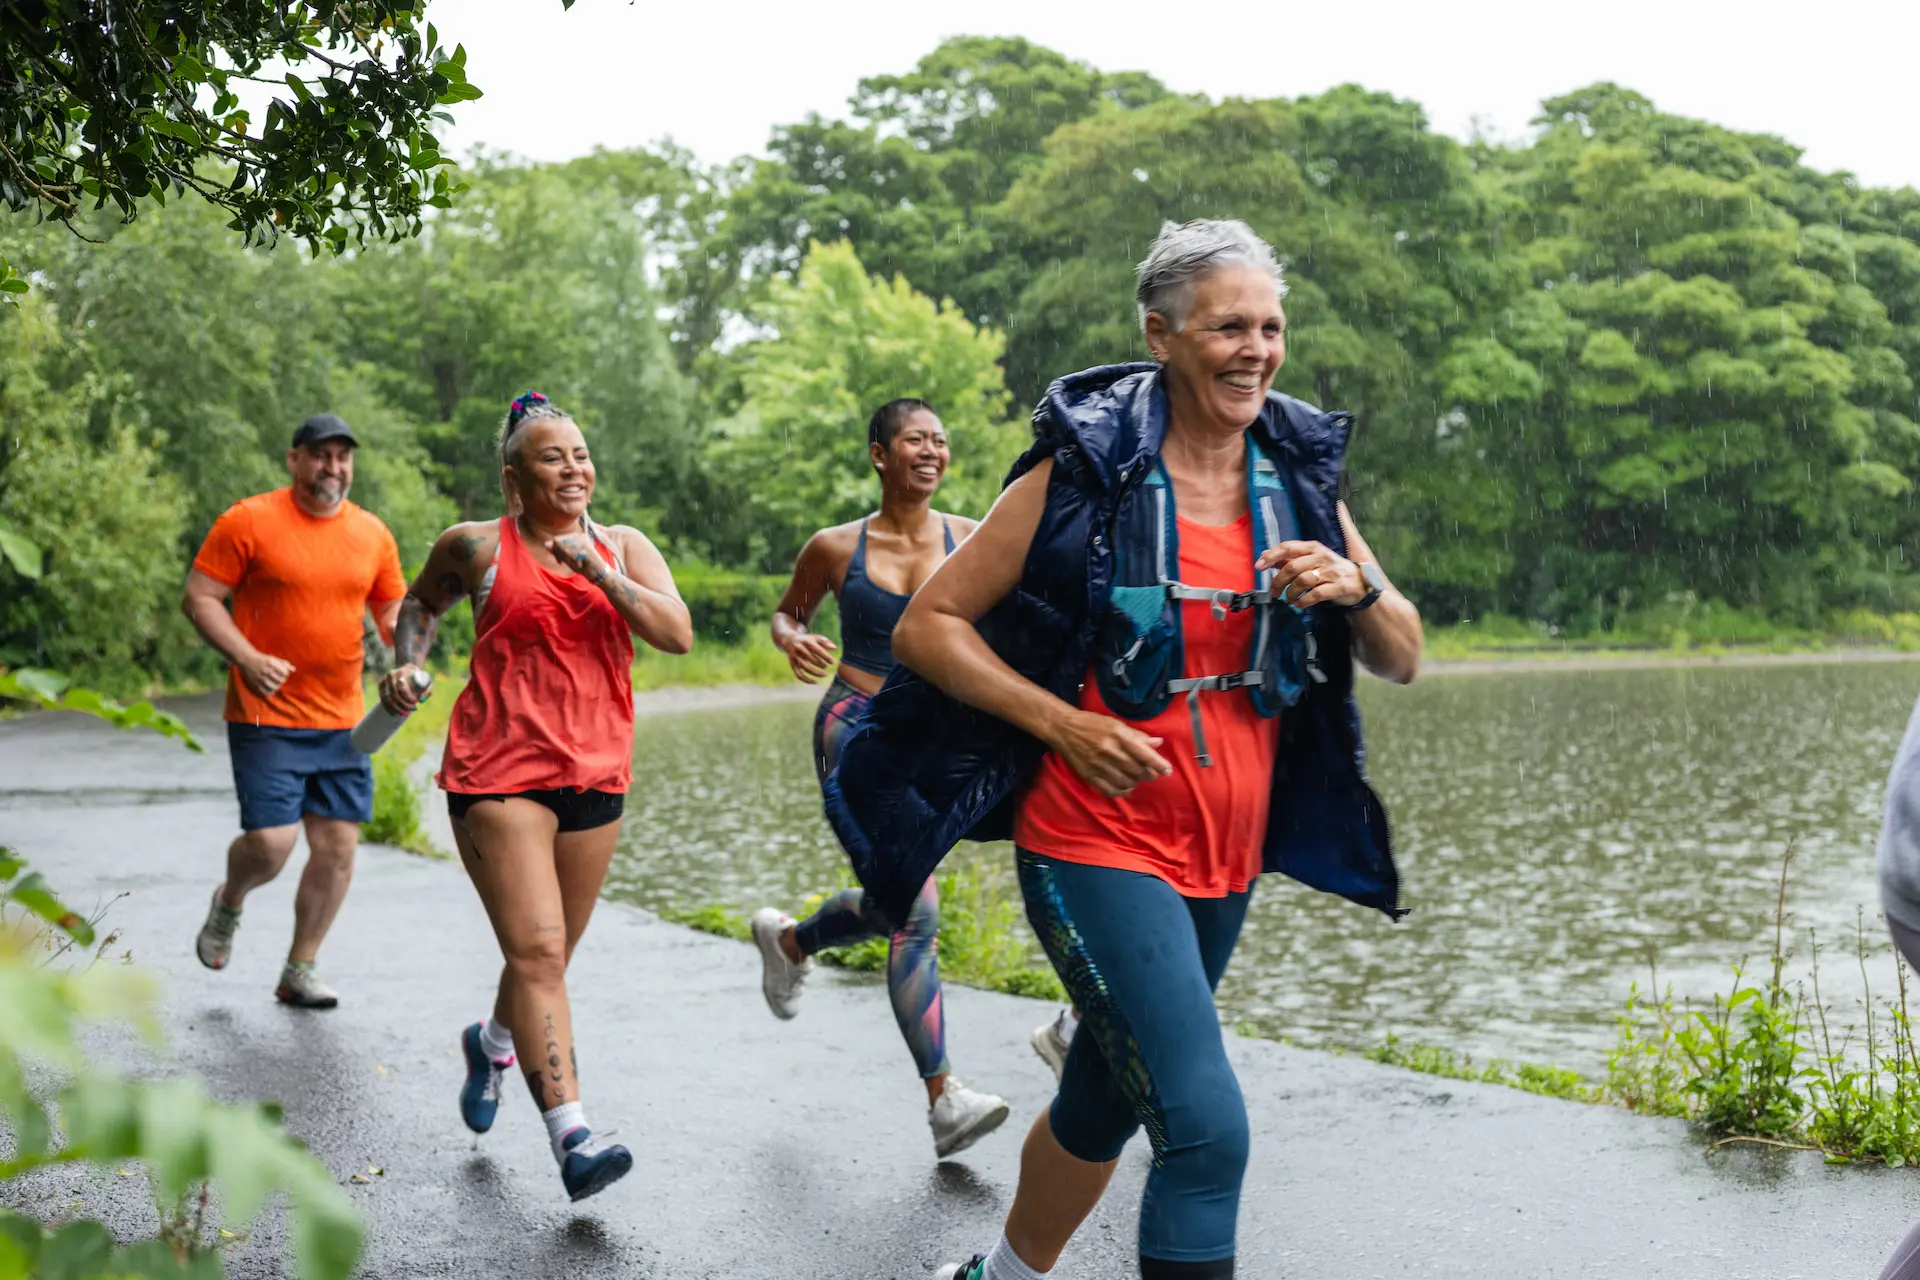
(215, 942)
(1051, 1045)
(300, 986)
(960, 1117)
(780, 978)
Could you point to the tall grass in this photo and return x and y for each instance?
(1764, 1062)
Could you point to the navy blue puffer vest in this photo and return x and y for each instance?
(924, 771)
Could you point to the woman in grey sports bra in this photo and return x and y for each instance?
(873, 566)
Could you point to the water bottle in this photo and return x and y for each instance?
(379, 724)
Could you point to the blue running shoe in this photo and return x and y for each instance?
(480, 1095)
(590, 1167)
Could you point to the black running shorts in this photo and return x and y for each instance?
(577, 810)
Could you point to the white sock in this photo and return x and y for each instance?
(496, 1042)
(1069, 1023)
(561, 1121)
(1004, 1264)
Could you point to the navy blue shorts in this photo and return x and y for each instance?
(280, 774)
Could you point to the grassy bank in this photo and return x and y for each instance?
(983, 941)
(1682, 628)
(1764, 1062)
(711, 663)
(397, 800)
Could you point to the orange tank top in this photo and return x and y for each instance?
(549, 699)
(1199, 829)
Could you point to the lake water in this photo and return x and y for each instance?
(1557, 832)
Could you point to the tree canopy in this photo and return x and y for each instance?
(120, 102)
(1637, 358)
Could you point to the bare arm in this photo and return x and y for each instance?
(937, 638)
(645, 595)
(810, 655)
(446, 577)
(386, 616)
(1387, 635)
(205, 604)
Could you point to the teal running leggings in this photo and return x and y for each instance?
(1141, 962)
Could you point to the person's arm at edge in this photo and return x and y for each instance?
(937, 638)
(1387, 635)
(809, 654)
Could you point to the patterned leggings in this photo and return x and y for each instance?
(913, 955)
(1141, 963)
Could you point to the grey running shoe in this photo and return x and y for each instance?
(960, 1117)
(301, 987)
(1050, 1044)
(780, 978)
(215, 942)
(972, 1269)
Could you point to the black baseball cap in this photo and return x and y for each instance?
(324, 426)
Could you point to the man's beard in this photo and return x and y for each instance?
(327, 492)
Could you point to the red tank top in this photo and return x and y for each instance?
(1200, 829)
(549, 699)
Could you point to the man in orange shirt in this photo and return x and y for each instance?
(302, 565)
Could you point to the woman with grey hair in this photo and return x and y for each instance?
(1140, 669)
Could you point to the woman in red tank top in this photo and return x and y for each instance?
(539, 751)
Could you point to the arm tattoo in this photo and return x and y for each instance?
(622, 588)
(465, 547)
(413, 632)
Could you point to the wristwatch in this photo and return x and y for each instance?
(1376, 583)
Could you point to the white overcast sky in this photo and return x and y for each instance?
(1836, 77)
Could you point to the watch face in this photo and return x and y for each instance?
(1371, 575)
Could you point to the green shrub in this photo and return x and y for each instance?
(730, 607)
(184, 1138)
(396, 806)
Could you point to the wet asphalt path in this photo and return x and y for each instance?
(769, 1151)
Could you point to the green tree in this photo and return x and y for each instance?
(80, 478)
(534, 280)
(121, 102)
(794, 457)
(1711, 396)
(916, 176)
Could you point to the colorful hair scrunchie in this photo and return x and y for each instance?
(523, 402)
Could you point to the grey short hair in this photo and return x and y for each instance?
(1184, 252)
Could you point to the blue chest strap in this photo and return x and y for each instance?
(1143, 675)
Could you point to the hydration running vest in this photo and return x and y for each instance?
(1139, 654)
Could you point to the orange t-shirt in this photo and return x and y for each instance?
(1199, 829)
(300, 585)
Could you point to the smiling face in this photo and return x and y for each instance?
(1221, 363)
(322, 474)
(917, 459)
(550, 469)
